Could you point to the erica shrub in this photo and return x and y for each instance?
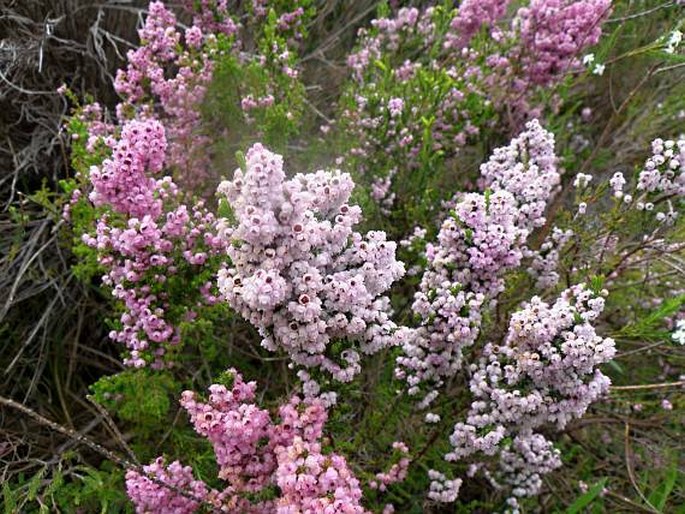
(445, 277)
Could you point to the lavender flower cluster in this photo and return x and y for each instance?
(299, 272)
(483, 239)
(545, 372)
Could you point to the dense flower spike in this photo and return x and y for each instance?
(522, 464)
(556, 349)
(176, 78)
(122, 182)
(526, 168)
(441, 488)
(471, 16)
(151, 497)
(299, 272)
(313, 482)
(242, 459)
(483, 239)
(254, 454)
(553, 34)
(543, 46)
(155, 239)
(545, 372)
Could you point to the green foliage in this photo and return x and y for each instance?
(67, 488)
(138, 396)
(237, 78)
(660, 495)
(96, 490)
(437, 172)
(587, 498)
(650, 326)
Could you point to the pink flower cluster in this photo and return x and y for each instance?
(471, 16)
(542, 46)
(149, 238)
(554, 33)
(149, 496)
(122, 182)
(544, 262)
(250, 102)
(443, 489)
(299, 272)
(212, 16)
(483, 239)
(291, 21)
(160, 39)
(522, 464)
(526, 168)
(388, 34)
(176, 79)
(311, 481)
(93, 117)
(397, 472)
(545, 372)
(255, 454)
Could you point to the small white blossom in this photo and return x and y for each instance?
(582, 180)
(674, 41)
(678, 334)
(432, 418)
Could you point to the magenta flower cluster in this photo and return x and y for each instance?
(299, 272)
(124, 181)
(151, 497)
(212, 16)
(254, 455)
